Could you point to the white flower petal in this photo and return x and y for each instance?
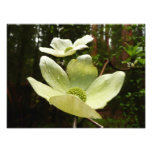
(43, 90)
(53, 74)
(84, 40)
(61, 44)
(72, 51)
(80, 47)
(52, 52)
(73, 105)
(104, 88)
(82, 72)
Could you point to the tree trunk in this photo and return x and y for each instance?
(126, 35)
(107, 38)
(21, 53)
(36, 53)
(94, 34)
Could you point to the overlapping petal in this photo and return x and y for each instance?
(42, 89)
(81, 72)
(53, 74)
(61, 44)
(84, 40)
(104, 88)
(73, 105)
(80, 47)
(52, 52)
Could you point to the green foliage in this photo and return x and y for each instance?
(136, 55)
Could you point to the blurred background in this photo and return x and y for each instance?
(122, 47)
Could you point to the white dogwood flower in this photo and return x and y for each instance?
(64, 47)
(78, 91)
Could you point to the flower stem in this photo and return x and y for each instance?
(94, 122)
(107, 61)
(75, 122)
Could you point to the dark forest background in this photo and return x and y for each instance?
(118, 45)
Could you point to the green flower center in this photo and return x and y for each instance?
(67, 49)
(78, 92)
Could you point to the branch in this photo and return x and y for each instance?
(107, 61)
(94, 122)
(75, 122)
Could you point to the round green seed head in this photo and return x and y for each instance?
(78, 92)
(67, 49)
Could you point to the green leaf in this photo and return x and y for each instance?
(73, 105)
(142, 61)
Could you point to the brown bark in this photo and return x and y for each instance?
(102, 34)
(94, 34)
(126, 34)
(107, 38)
